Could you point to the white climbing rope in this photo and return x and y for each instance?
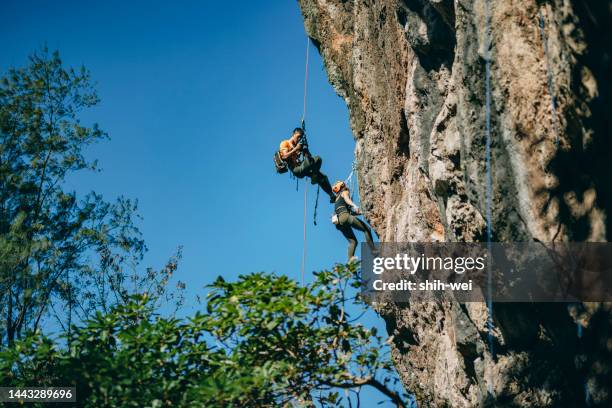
(549, 78)
(304, 252)
(488, 181)
(350, 181)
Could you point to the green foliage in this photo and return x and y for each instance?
(59, 254)
(263, 341)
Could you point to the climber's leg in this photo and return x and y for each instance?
(316, 163)
(310, 166)
(351, 238)
(348, 233)
(303, 169)
(323, 181)
(362, 226)
(316, 177)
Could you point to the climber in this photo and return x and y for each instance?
(345, 220)
(301, 163)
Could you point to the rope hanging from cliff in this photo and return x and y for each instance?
(305, 84)
(349, 181)
(305, 240)
(489, 182)
(316, 207)
(549, 79)
(306, 184)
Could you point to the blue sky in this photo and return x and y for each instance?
(196, 96)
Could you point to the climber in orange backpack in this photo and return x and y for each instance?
(345, 220)
(295, 154)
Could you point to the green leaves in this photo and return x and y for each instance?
(264, 341)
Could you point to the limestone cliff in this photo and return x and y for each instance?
(412, 73)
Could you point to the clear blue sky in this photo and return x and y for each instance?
(196, 96)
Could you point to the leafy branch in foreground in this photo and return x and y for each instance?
(263, 341)
(308, 331)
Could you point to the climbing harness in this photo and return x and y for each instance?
(549, 78)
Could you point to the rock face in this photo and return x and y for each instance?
(413, 74)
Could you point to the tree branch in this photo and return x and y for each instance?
(372, 382)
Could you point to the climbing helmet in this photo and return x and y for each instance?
(338, 186)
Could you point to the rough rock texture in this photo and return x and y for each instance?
(413, 75)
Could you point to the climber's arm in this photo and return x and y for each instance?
(287, 153)
(347, 199)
